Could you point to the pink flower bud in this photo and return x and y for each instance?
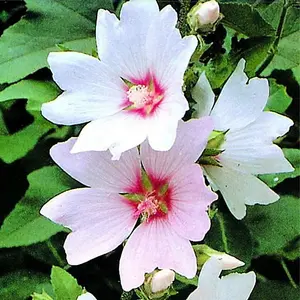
(162, 280)
(208, 12)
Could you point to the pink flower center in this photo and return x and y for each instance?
(148, 207)
(143, 96)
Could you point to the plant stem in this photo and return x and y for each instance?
(288, 274)
(55, 253)
(279, 30)
(223, 233)
(184, 9)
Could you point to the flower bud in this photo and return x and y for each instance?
(204, 16)
(161, 280)
(208, 12)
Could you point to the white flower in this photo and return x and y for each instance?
(161, 280)
(134, 91)
(248, 146)
(86, 296)
(208, 12)
(234, 286)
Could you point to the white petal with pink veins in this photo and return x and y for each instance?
(92, 90)
(155, 245)
(99, 221)
(96, 169)
(117, 133)
(190, 198)
(234, 286)
(191, 140)
(239, 189)
(240, 103)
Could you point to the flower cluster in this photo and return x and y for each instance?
(142, 165)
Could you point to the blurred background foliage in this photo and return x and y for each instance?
(265, 33)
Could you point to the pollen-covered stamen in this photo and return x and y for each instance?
(140, 96)
(148, 207)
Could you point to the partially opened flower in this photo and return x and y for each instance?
(168, 196)
(246, 144)
(234, 286)
(134, 91)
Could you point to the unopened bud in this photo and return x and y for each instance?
(161, 280)
(86, 296)
(208, 12)
(204, 16)
(228, 262)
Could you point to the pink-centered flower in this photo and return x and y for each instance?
(248, 148)
(168, 196)
(134, 92)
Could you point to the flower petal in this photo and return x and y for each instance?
(239, 103)
(92, 90)
(86, 296)
(168, 53)
(155, 245)
(99, 221)
(190, 198)
(96, 169)
(204, 96)
(236, 286)
(251, 149)
(191, 140)
(126, 48)
(117, 133)
(239, 189)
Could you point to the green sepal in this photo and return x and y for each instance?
(211, 152)
(127, 82)
(208, 160)
(163, 189)
(216, 139)
(134, 197)
(163, 207)
(42, 296)
(146, 181)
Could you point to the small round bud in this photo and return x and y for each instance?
(208, 12)
(161, 280)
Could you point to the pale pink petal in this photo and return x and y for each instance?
(251, 149)
(239, 189)
(204, 97)
(96, 169)
(86, 296)
(117, 133)
(92, 90)
(155, 245)
(240, 103)
(191, 140)
(99, 221)
(190, 198)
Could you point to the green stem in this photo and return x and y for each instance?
(223, 233)
(279, 30)
(184, 9)
(288, 274)
(55, 253)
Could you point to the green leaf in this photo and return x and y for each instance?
(64, 285)
(274, 290)
(36, 91)
(293, 156)
(43, 296)
(231, 236)
(24, 47)
(275, 225)
(245, 19)
(21, 284)
(278, 100)
(286, 52)
(24, 225)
